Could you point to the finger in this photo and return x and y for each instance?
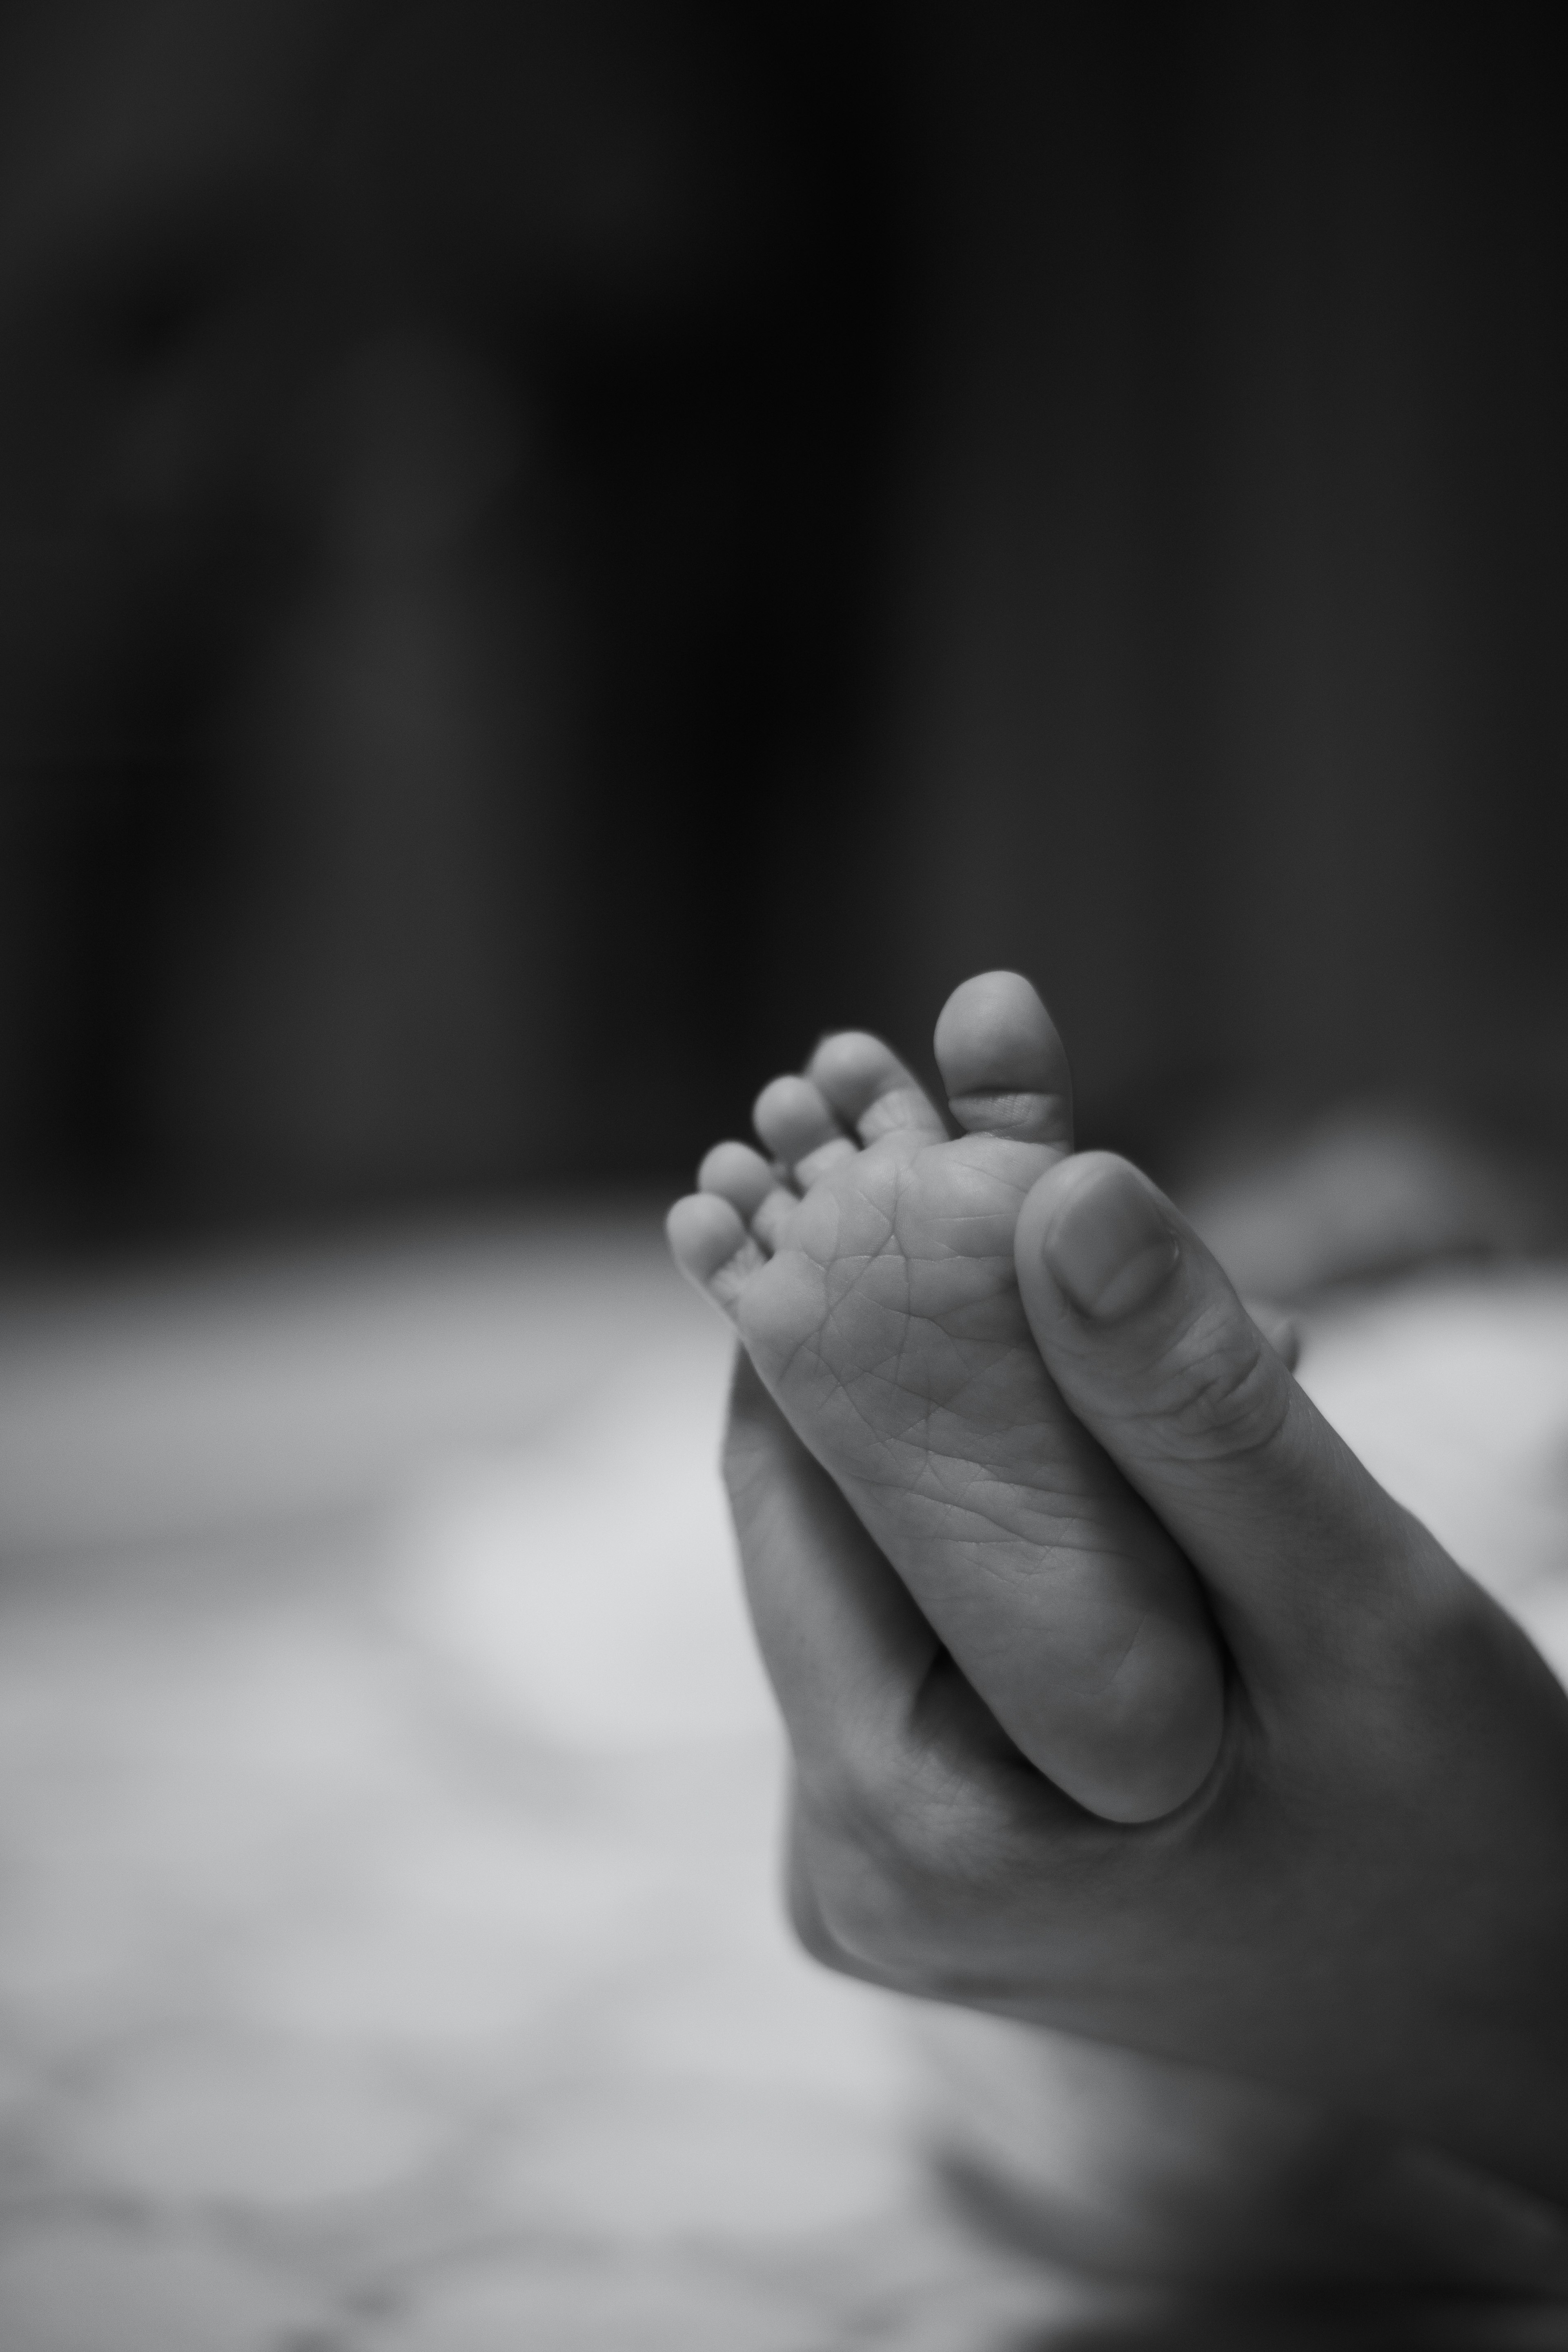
(846, 1650)
(1300, 1549)
(1282, 1332)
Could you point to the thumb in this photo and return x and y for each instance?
(1303, 1553)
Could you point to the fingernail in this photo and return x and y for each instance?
(1108, 1247)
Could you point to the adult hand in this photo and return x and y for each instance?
(1367, 1901)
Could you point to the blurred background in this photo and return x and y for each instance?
(549, 551)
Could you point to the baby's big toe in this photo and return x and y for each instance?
(1003, 1063)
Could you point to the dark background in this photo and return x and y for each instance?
(547, 552)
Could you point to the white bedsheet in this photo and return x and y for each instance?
(387, 1816)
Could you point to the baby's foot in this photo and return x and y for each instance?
(874, 1290)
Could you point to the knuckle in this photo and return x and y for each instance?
(1225, 1391)
(860, 1926)
(892, 1862)
(807, 1921)
(882, 1809)
(827, 1899)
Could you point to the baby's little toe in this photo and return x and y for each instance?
(709, 1244)
(871, 1090)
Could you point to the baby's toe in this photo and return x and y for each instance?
(738, 1174)
(871, 1091)
(709, 1244)
(734, 1173)
(799, 1128)
(1005, 1068)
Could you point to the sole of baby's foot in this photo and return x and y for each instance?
(865, 1257)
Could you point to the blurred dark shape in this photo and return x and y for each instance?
(1241, 543)
(549, 551)
(1365, 1192)
(435, 441)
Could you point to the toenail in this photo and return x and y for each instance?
(1107, 1245)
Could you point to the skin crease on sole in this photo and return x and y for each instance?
(865, 1257)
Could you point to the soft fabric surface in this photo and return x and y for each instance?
(388, 1811)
